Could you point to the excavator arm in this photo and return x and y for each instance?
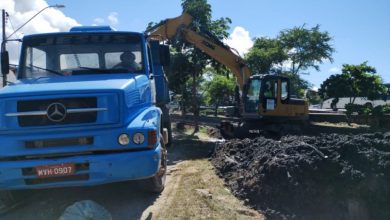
(216, 49)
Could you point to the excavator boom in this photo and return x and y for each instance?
(266, 102)
(213, 47)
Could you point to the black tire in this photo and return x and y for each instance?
(166, 123)
(168, 126)
(156, 183)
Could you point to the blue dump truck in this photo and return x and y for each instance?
(88, 108)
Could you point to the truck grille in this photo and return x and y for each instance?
(36, 144)
(50, 105)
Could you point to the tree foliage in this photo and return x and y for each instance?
(178, 71)
(313, 97)
(219, 90)
(265, 54)
(354, 81)
(201, 12)
(292, 52)
(188, 62)
(306, 47)
(303, 47)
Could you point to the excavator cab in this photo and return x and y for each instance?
(268, 96)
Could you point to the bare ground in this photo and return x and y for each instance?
(193, 191)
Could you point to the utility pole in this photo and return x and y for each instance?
(3, 45)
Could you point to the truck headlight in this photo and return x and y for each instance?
(138, 138)
(124, 139)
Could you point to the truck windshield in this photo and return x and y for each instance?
(79, 54)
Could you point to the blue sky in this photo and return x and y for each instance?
(360, 28)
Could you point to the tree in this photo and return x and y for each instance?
(201, 12)
(265, 54)
(313, 97)
(306, 48)
(219, 90)
(179, 73)
(299, 47)
(354, 81)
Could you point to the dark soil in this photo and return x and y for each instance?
(329, 176)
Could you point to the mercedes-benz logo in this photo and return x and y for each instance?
(56, 112)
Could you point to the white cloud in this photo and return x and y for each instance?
(20, 11)
(240, 40)
(286, 65)
(98, 21)
(113, 18)
(335, 70)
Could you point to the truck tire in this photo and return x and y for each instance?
(156, 183)
(166, 123)
(168, 126)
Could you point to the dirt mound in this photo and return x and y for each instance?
(214, 132)
(329, 176)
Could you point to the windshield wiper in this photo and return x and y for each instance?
(48, 70)
(99, 70)
(95, 69)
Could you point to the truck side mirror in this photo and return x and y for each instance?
(4, 62)
(165, 56)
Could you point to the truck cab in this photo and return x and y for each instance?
(85, 111)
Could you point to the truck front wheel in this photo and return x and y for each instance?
(156, 183)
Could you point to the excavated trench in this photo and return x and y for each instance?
(327, 176)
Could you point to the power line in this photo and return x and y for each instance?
(12, 26)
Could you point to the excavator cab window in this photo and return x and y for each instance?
(252, 95)
(270, 89)
(270, 93)
(284, 90)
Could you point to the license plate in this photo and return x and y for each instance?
(65, 169)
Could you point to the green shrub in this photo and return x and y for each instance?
(386, 108)
(367, 109)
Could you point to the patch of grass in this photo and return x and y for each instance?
(198, 193)
(203, 129)
(201, 194)
(341, 125)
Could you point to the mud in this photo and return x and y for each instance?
(329, 176)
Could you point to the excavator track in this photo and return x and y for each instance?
(233, 127)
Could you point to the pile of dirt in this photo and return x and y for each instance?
(214, 133)
(330, 176)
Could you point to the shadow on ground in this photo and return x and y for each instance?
(189, 147)
(123, 200)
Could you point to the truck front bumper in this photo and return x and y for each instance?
(90, 170)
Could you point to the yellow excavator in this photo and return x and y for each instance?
(265, 104)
